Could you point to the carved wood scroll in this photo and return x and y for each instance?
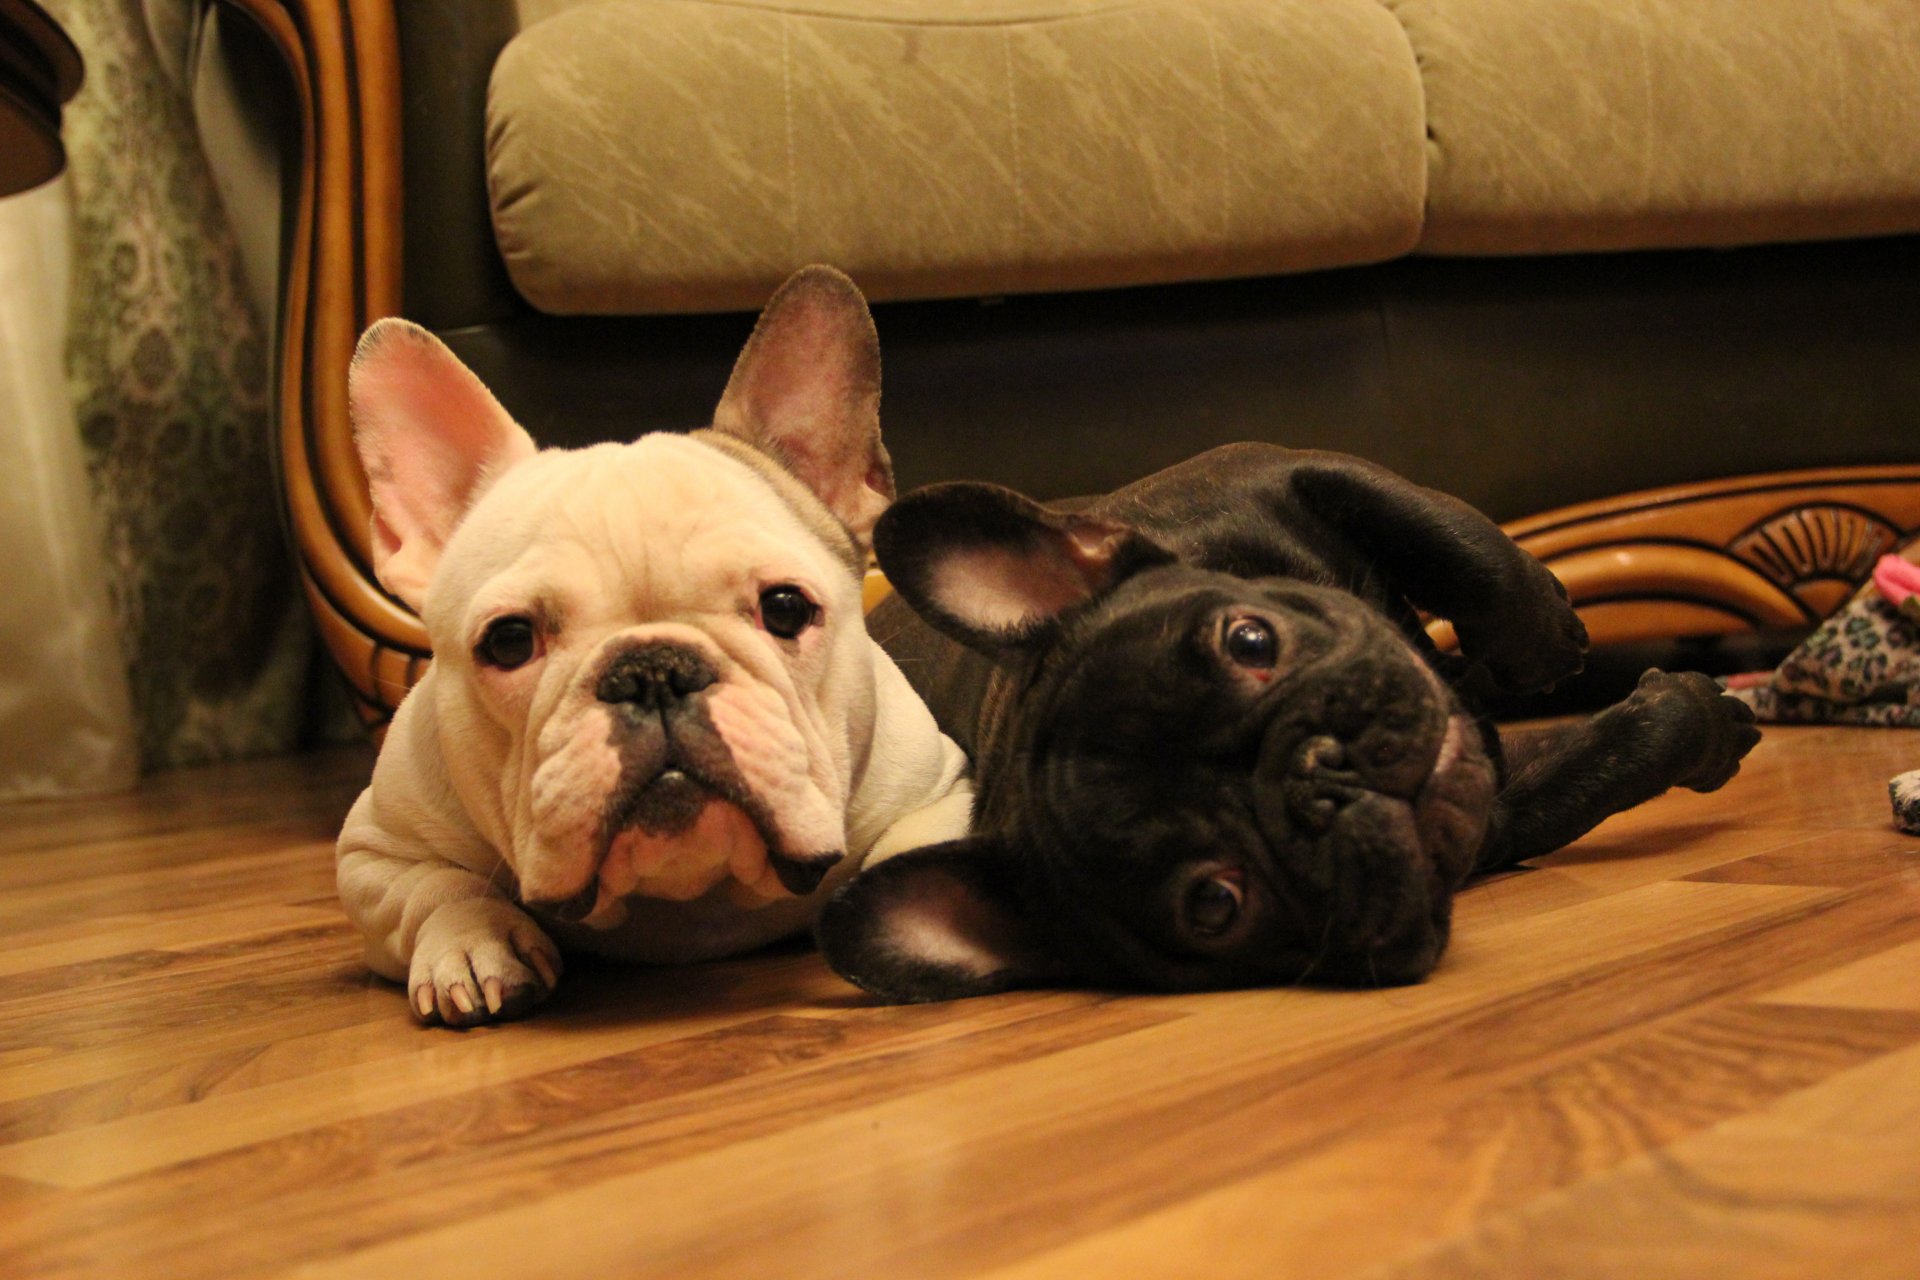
(342, 271)
(1757, 552)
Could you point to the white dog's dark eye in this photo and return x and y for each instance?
(1251, 643)
(507, 643)
(1211, 904)
(785, 610)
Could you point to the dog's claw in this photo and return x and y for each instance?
(479, 961)
(542, 966)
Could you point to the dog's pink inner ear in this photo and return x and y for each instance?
(1011, 588)
(431, 439)
(946, 923)
(806, 389)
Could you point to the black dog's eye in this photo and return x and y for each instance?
(785, 610)
(507, 643)
(1211, 904)
(1251, 643)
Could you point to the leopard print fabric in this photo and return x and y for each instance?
(1861, 666)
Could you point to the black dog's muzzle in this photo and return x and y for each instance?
(1342, 770)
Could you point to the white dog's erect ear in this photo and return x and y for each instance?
(431, 438)
(996, 570)
(806, 389)
(938, 923)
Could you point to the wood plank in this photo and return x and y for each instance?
(1789, 781)
(313, 788)
(132, 857)
(483, 1152)
(1617, 857)
(1348, 1206)
(1762, 1196)
(1702, 984)
(1195, 1101)
(1887, 979)
(129, 1123)
(72, 944)
(1835, 859)
(16, 1195)
(278, 875)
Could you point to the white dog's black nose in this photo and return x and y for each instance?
(572, 910)
(654, 676)
(801, 876)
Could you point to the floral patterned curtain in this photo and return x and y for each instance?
(168, 368)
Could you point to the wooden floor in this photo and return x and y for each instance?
(1688, 1047)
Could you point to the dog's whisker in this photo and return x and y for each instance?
(1326, 948)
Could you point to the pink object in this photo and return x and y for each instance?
(1896, 578)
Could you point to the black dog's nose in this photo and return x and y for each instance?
(654, 676)
(1319, 784)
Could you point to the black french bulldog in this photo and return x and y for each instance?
(1213, 744)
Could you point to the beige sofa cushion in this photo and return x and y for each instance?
(1631, 124)
(682, 155)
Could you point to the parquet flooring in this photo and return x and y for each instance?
(1689, 1046)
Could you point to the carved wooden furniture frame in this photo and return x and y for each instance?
(342, 270)
(1762, 552)
(40, 71)
(1775, 551)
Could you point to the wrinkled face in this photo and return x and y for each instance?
(1228, 782)
(660, 670)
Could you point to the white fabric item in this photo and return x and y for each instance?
(66, 720)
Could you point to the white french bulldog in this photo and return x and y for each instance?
(654, 722)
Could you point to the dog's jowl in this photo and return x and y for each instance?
(655, 726)
(1213, 745)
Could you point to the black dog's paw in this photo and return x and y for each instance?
(1533, 657)
(1718, 729)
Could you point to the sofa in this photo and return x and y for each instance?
(1639, 280)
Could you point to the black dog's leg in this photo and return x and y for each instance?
(1510, 612)
(1674, 730)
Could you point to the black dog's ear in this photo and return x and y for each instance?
(993, 569)
(936, 924)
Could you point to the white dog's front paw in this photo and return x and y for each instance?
(480, 960)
